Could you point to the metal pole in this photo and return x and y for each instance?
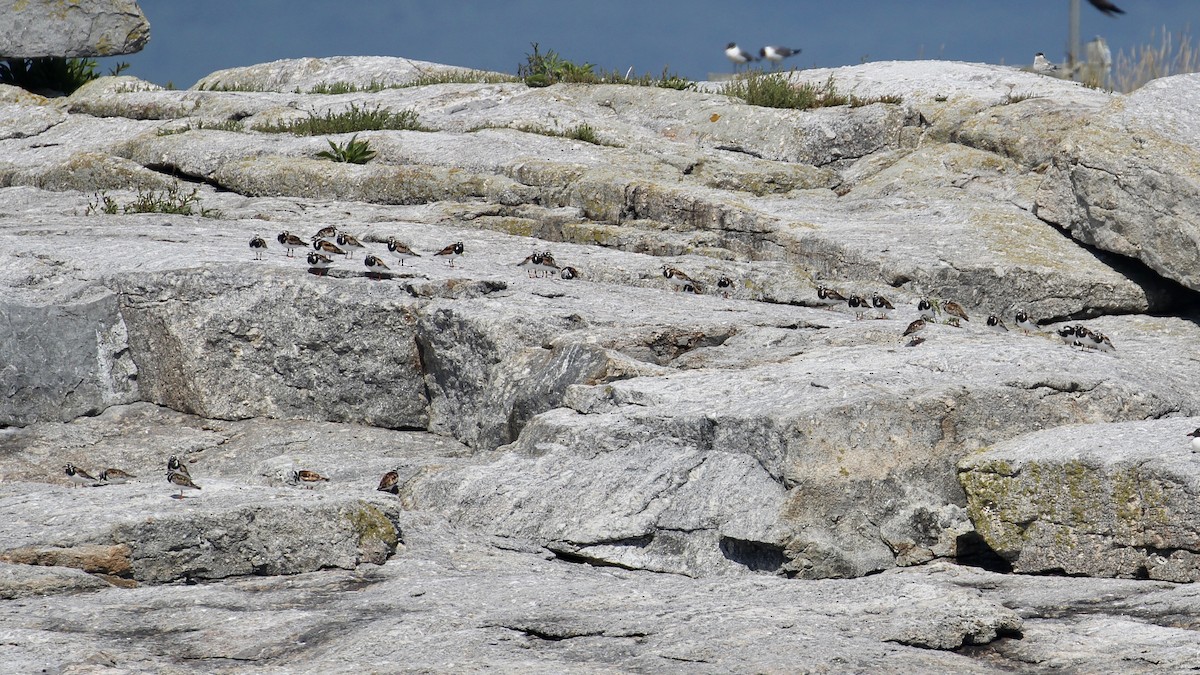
(1073, 40)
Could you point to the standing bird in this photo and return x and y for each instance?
(1107, 7)
(290, 241)
(1066, 334)
(257, 246)
(829, 297)
(390, 483)
(1195, 440)
(548, 265)
(678, 279)
(914, 327)
(737, 55)
(955, 311)
(308, 479)
(883, 308)
(326, 246)
(182, 481)
(401, 250)
(78, 476)
(1042, 65)
(925, 310)
(450, 252)
(777, 54)
(173, 464)
(376, 266)
(349, 242)
(859, 305)
(326, 232)
(115, 476)
(1026, 324)
(531, 263)
(725, 283)
(319, 262)
(994, 323)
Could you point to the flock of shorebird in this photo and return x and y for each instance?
(329, 242)
(180, 477)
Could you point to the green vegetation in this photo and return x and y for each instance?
(220, 125)
(352, 151)
(1173, 55)
(438, 77)
(544, 69)
(1011, 97)
(775, 90)
(348, 121)
(52, 73)
(584, 132)
(171, 200)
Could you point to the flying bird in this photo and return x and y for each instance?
(1107, 7)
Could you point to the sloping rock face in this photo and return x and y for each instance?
(733, 431)
(36, 28)
(1128, 181)
(1098, 500)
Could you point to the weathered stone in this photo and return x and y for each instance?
(24, 580)
(36, 28)
(1127, 182)
(1106, 500)
(111, 560)
(62, 360)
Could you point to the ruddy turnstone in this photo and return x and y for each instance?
(319, 262)
(1094, 339)
(1107, 7)
(350, 243)
(401, 250)
(390, 483)
(115, 476)
(257, 246)
(994, 323)
(1026, 324)
(1195, 440)
(955, 310)
(78, 476)
(568, 273)
(829, 297)
(1066, 334)
(914, 327)
(326, 246)
(777, 54)
(679, 280)
(737, 55)
(531, 263)
(725, 283)
(548, 265)
(290, 241)
(450, 252)
(925, 310)
(1042, 65)
(174, 465)
(376, 266)
(859, 305)
(883, 308)
(308, 479)
(327, 232)
(182, 481)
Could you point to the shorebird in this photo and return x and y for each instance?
(737, 55)
(776, 55)
(1042, 65)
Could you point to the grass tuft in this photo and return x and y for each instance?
(352, 151)
(350, 120)
(174, 199)
(775, 90)
(1173, 55)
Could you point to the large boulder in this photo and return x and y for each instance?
(1101, 500)
(1127, 181)
(38, 28)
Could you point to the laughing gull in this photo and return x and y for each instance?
(1107, 7)
(777, 54)
(738, 55)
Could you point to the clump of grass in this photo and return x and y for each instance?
(1173, 55)
(348, 121)
(544, 69)
(775, 90)
(173, 199)
(1012, 97)
(220, 125)
(232, 86)
(583, 132)
(352, 151)
(53, 73)
(460, 77)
